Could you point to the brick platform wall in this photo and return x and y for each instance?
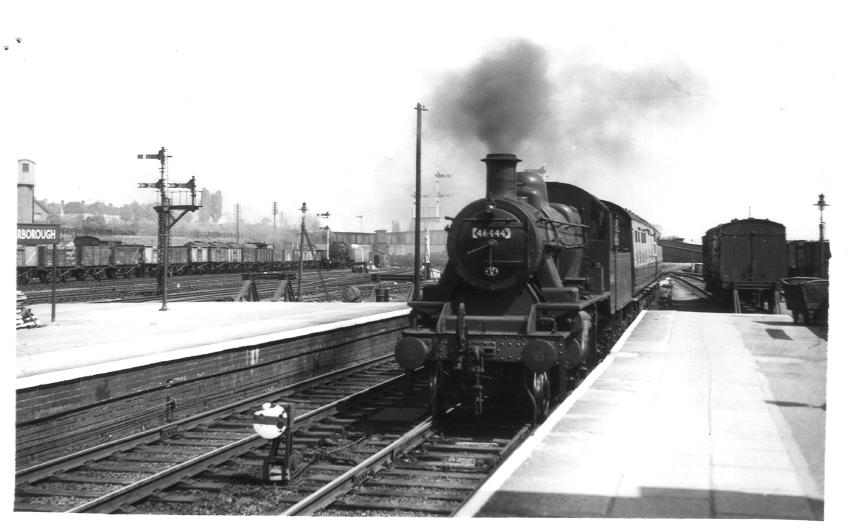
(58, 418)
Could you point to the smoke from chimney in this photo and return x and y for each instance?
(500, 100)
(576, 119)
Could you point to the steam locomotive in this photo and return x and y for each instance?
(539, 276)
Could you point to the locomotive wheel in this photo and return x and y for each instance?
(541, 394)
(434, 382)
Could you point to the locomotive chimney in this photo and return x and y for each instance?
(501, 175)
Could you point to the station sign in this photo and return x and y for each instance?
(38, 234)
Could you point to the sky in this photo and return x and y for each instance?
(689, 114)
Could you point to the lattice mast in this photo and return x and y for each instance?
(181, 201)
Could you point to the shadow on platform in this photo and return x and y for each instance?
(820, 331)
(690, 305)
(654, 503)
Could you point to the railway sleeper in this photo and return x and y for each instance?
(250, 462)
(209, 433)
(47, 490)
(405, 477)
(36, 507)
(329, 467)
(172, 498)
(379, 491)
(369, 504)
(457, 458)
(438, 485)
(436, 467)
(117, 467)
(176, 449)
(68, 478)
(227, 475)
(150, 458)
(462, 448)
(208, 485)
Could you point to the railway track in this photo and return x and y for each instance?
(692, 283)
(686, 293)
(431, 470)
(116, 474)
(218, 287)
(365, 452)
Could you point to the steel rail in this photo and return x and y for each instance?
(328, 493)
(47, 468)
(692, 286)
(172, 475)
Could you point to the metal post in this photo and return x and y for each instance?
(301, 259)
(821, 268)
(53, 288)
(165, 219)
(274, 212)
(417, 242)
(327, 251)
(164, 257)
(237, 224)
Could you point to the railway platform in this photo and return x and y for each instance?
(95, 338)
(106, 371)
(692, 415)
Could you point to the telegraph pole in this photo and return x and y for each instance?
(417, 252)
(237, 223)
(326, 216)
(166, 220)
(301, 259)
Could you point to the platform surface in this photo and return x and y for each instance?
(88, 338)
(692, 415)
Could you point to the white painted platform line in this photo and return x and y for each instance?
(506, 470)
(149, 359)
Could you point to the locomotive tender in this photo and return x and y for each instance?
(539, 275)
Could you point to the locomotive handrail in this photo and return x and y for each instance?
(561, 223)
(490, 220)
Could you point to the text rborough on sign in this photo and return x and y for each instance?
(38, 233)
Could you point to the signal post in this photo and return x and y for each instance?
(165, 217)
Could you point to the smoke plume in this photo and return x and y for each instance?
(576, 119)
(500, 99)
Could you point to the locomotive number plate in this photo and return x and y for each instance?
(491, 271)
(491, 233)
